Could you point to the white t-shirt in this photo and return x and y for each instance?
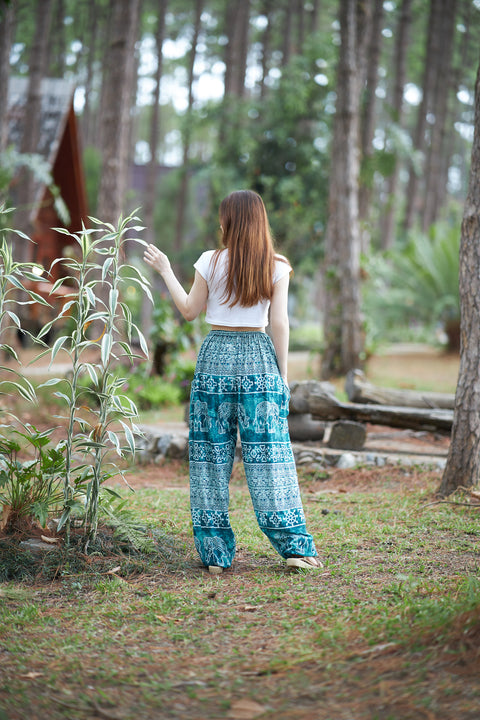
(218, 311)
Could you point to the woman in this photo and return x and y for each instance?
(241, 382)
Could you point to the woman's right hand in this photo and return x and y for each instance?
(156, 259)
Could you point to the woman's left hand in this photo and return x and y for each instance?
(156, 259)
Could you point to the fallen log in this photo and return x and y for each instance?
(323, 405)
(301, 391)
(360, 390)
(302, 427)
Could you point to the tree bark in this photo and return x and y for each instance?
(185, 169)
(7, 17)
(434, 177)
(369, 107)
(342, 323)
(31, 129)
(428, 89)
(116, 102)
(401, 49)
(266, 43)
(315, 15)
(237, 22)
(151, 185)
(463, 462)
(57, 46)
(96, 30)
(287, 49)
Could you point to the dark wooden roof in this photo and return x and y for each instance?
(58, 141)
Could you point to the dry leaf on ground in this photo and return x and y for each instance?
(246, 710)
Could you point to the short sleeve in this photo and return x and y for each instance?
(282, 268)
(203, 264)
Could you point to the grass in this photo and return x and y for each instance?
(388, 630)
(373, 635)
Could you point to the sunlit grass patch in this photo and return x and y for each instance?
(398, 571)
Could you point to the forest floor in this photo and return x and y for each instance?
(389, 629)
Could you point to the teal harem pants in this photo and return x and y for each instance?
(237, 383)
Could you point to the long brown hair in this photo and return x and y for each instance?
(247, 237)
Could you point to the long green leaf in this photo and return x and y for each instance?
(128, 437)
(107, 344)
(57, 345)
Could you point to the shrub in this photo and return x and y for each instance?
(415, 286)
(32, 487)
(149, 392)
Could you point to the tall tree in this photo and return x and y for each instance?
(31, 128)
(432, 54)
(435, 178)
(402, 36)
(187, 134)
(57, 49)
(315, 14)
(7, 15)
(463, 462)
(152, 167)
(267, 9)
(342, 323)
(95, 14)
(369, 106)
(237, 21)
(117, 93)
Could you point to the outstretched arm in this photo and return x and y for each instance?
(279, 323)
(190, 305)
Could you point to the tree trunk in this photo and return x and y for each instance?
(57, 46)
(151, 185)
(7, 16)
(368, 114)
(434, 177)
(300, 12)
(315, 15)
(187, 134)
(31, 128)
(428, 89)
(116, 102)
(342, 324)
(401, 48)
(463, 462)
(237, 22)
(95, 28)
(287, 49)
(266, 43)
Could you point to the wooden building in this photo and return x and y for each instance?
(59, 147)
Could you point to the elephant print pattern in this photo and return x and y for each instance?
(201, 420)
(267, 418)
(237, 388)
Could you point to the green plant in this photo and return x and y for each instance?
(14, 294)
(180, 373)
(30, 487)
(415, 286)
(306, 336)
(98, 279)
(169, 337)
(151, 392)
(11, 161)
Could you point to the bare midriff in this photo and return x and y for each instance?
(238, 329)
